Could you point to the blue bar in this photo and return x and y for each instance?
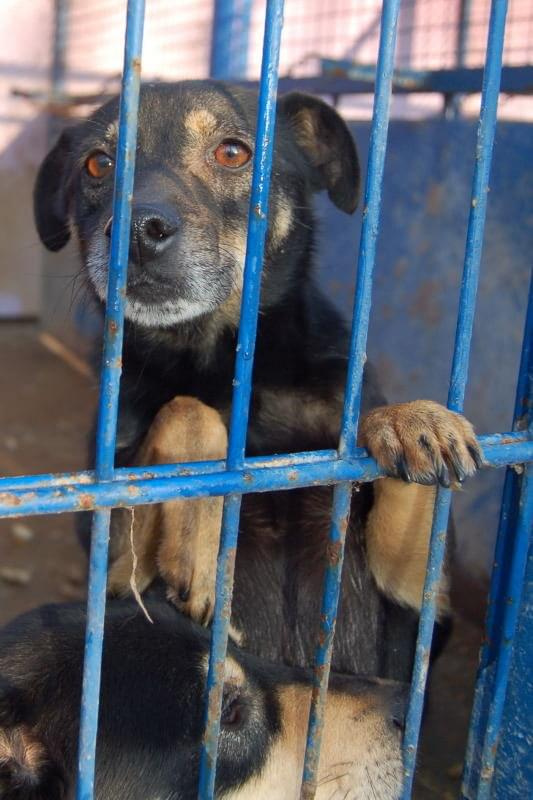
(257, 228)
(521, 542)
(352, 398)
(474, 243)
(501, 450)
(109, 391)
(160, 483)
(513, 770)
(220, 58)
(500, 589)
(229, 39)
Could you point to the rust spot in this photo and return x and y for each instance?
(425, 305)
(333, 553)
(134, 491)
(434, 199)
(322, 637)
(248, 477)
(293, 475)
(136, 65)
(86, 501)
(113, 327)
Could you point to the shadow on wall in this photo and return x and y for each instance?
(417, 280)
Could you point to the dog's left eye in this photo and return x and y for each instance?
(98, 165)
(233, 154)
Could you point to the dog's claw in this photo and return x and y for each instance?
(476, 455)
(444, 477)
(402, 470)
(184, 592)
(422, 442)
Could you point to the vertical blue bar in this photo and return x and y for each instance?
(242, 384)
(513, 770)
(465, 322)
(229, 39)
(504, 596)
(109, 391)
(352, 400)
(220, 58)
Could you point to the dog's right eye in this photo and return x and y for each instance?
(99, 164)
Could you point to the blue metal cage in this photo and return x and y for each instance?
(107, 487)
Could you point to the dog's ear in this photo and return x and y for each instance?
(50, 195)
(327, 143)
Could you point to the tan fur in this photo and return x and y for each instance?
(18, 746)
(391, 431)
(357, 748)
(111, 133)
(397, 541)
(233, 672)
(201, 122)
(315, 146)
(178, 539)
(399, 523)
(282, 221)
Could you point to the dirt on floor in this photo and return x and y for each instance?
(47, 403)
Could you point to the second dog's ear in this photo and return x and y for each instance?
(50, 196)
(327, 143)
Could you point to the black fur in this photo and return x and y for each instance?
(301, 355)
(151, 709)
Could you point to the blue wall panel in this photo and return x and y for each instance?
(425, 211)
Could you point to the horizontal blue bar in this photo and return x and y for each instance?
(106, 494)
(63, 479)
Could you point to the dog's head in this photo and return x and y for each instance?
(151, 717)
(191, 195)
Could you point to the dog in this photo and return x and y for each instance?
(188, 234)
(151, 718)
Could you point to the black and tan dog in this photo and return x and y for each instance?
(151, 720)
(191, 195)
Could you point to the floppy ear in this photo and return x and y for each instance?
(50, 196)
(328, 145)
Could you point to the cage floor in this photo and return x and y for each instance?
(46, 409)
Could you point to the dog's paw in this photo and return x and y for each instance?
(187, 555)
(422, 442)
(194, 598)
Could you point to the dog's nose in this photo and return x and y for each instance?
(152, 231)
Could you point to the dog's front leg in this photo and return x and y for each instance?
(421, 444)
(179, 539)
